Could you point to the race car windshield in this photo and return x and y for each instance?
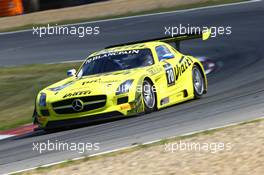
(115, 61)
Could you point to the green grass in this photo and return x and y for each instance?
(157, 10)
(19, 87)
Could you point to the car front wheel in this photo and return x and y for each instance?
(149, 96)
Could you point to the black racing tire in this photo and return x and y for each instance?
(198, 82)
(149, 96)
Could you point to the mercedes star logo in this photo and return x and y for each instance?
(77, 105)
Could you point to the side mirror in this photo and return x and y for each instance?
(71, 72)
(168, 56)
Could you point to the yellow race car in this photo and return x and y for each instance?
(123, 80)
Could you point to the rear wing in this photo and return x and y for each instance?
(171, 39)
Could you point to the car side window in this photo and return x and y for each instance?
(162, 51)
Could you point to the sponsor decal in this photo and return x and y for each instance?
(154, 70)
(99, 81)
(125, 52)
(125, 107)
(184, 64)
(110, 81)
(91, 81)
(79, 93)
(169, 74)
(173, 73)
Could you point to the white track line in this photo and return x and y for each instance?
(133, 146)
(146, 15)
(5, 136)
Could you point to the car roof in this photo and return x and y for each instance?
(146, 45)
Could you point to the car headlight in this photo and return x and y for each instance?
(124, 87)
(42, 99)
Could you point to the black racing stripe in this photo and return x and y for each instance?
(182, 58)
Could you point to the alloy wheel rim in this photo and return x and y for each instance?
(198, 81)
(148, 95)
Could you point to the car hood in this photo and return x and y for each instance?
(91, 85)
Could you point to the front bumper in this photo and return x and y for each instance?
(112, 109)
(83, 120)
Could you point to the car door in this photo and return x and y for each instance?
(169, 59)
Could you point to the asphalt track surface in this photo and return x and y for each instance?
(236, 88)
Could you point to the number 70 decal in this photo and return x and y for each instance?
(170, 75)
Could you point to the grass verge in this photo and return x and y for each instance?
(19, 86)
(155, 10)
(208, 133)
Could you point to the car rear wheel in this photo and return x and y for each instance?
(198, 82)
(149, 96)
